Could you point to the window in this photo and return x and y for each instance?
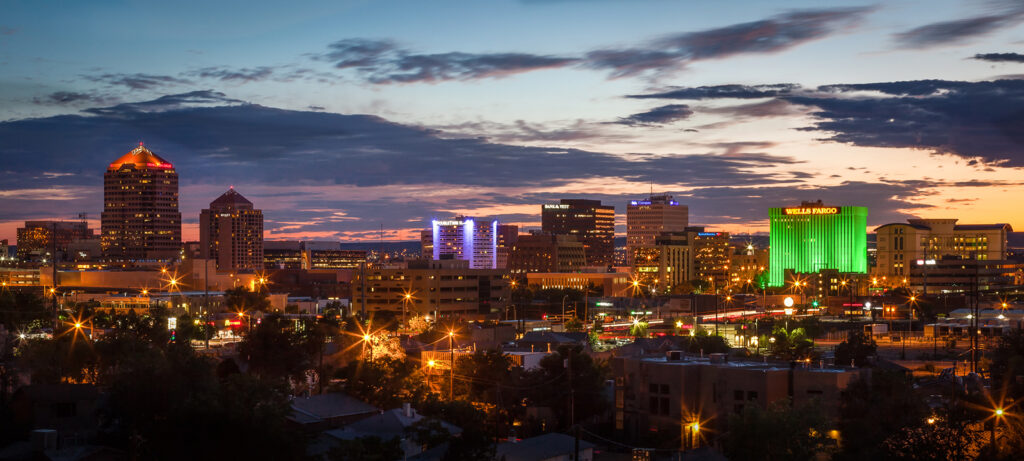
(751, 395)
(664, 389)
(737, 395)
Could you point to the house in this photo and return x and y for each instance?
(547, 447)
(328, 411)
(386, 425)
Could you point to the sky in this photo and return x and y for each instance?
(348, 120)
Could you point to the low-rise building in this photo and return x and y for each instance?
(672, 392)
(541, 252)
(444, 287)
(609, 284)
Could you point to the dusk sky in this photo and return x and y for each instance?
(339, 117)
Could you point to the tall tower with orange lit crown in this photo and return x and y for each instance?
(140, 218)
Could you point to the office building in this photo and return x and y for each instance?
(672, 392)
(294, 255)
(444, 287)
(900, 244)
(812, 237)
(587, 220)
(140, 219)
(427, 244)
(508, 234)
(607, 284)
(282, 255)
(746, 266)
(542, 252)
(37, 239)
(231, 233)
(950, 274)
(330, 259)
(647, 219)
(666, 263)
(711, 258)
(467, 239)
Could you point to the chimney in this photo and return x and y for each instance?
(407, 409)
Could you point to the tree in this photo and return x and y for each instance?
(240, 299)
(475, 443)
(274, 351)
(951, 435)
(158, 398)
(23, 311)
(791, 345)
(371, 448)
(857, 347)
(779, 432)
(386, 383)
(871, 410)
(549, 385)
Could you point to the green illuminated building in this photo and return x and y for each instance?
(813, 237)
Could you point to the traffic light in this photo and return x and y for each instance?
(174, 335)
(814, 303)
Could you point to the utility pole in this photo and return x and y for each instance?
(206, 299)
(53, 261)
(362, 289)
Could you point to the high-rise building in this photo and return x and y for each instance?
(542, 252)
(899, 244)
(140, 219)
(37, 239)
(587, 220)
(508, 234)
(812, 237)
(466, 239)
(231, 233)
(647, 219)
(711, 258)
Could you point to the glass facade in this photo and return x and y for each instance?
(809, 239)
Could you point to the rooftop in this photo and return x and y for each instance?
(140, 157)
(231, 199)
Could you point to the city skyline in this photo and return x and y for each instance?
(346, 118)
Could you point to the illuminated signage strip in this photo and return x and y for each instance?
(556, 207)
(811, 211)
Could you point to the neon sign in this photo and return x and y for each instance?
(560, 206)
(709, 234)
(811, 211)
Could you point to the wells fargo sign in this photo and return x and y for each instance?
(811, 211)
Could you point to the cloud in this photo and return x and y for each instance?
(1000, 57)
(138, 81)
(71, 98)
(381, 61)
(731, 91)
(357, 52)
(174, 102)
(979, 120)
(4, 30)
(658, 116)
(960, 30)
(359, 165)
(772, 35)
(968, 119)
(241, 75)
